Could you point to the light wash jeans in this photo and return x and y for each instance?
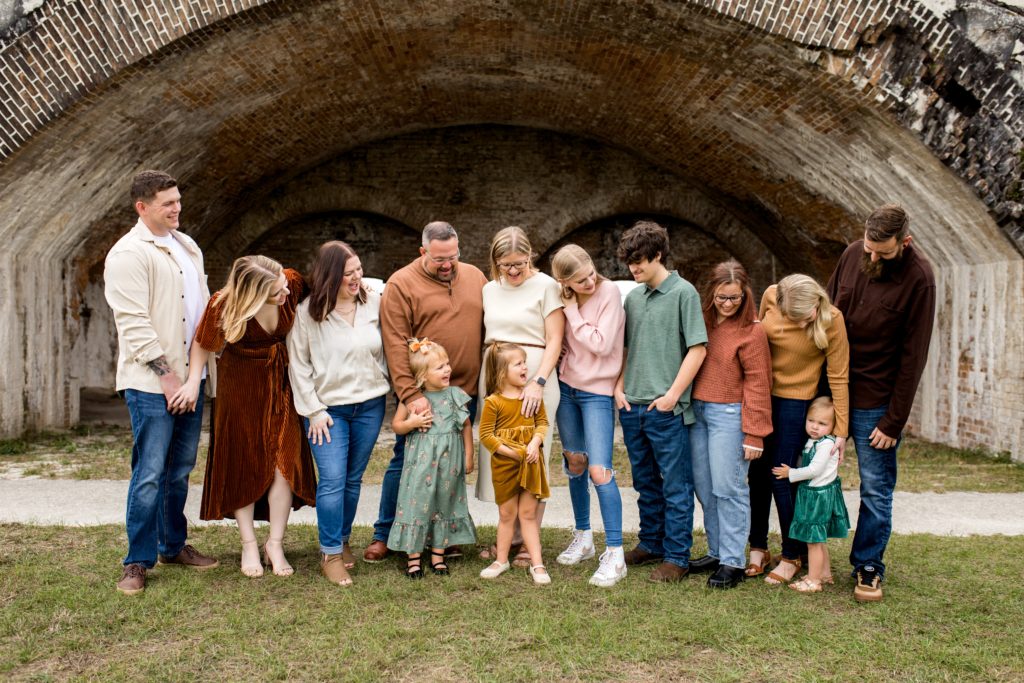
(586, 424)
(720, 479)
(163, 455)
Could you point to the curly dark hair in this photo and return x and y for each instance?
(645, 240)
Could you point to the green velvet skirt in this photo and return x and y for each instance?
(820, 513)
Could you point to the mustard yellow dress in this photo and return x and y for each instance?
(502, 423)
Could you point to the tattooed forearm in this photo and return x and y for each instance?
(159, 366)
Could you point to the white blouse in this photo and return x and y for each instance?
(334, 363)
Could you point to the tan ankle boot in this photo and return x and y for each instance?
(333, 567)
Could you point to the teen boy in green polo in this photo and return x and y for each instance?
(665, 338)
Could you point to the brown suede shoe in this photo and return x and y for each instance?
(666, 572)
(191, 558)
(133, 579)
(333, 567)
(638, 556)
(375, 552)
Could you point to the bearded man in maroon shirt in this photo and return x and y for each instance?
(886, 291)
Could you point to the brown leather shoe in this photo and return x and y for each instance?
(333, 567)
(375, 552)
(666, 572)
(638, 556)
(191, 558)
(133, 579)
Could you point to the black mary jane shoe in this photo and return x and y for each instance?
(438, 566)
(703, 565)
(414, 568)
(726, 577)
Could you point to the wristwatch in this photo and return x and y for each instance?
(540, 380)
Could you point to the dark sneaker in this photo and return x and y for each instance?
(133, 579)
(191, 558)
(869, 585)
(666, 572)
(638, 556)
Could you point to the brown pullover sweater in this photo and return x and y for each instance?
(889, 326)
(449, 313)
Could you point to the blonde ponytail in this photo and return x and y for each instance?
(797, 296)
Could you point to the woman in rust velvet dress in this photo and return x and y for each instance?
(259, 466)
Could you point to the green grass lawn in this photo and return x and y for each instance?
(104, 452)
(952, 612)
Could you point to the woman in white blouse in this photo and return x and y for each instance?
(339, 380)
(522, 306)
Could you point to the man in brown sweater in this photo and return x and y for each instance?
(886, 291)
(436, 297)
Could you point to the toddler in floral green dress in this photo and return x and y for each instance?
(432, 508)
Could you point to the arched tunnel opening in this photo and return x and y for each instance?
(292, 122)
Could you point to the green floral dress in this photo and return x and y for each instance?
(432, 510)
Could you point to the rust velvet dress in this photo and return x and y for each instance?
(256, 428)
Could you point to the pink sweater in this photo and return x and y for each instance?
(592, 345)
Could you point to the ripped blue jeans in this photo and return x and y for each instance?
(586, 425)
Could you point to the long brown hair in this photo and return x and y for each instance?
(497, 362)
(325, 280)
(728, 273)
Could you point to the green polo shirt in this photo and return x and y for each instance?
(661, 325)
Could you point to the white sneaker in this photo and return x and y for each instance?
(612, 569)
(581, 548)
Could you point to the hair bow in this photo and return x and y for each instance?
(422, 345)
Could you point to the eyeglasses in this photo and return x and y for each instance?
(446, 259)
(735, 299)
(518, 265)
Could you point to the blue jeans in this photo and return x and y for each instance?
(392, 478)
(659, 453)
(720, 479)
(783, 447)
(163, 455)
(586, 424)
(340, 465)
(877, 483)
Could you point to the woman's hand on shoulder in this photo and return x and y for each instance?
(320, 430)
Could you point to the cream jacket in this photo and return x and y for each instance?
(143, 285)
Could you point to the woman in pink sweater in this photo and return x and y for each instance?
(591, 362)
(733, 407)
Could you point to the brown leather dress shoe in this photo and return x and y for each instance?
(638, 556)
(375, 552)
(191, 558)
(133, 579)
(666, 572)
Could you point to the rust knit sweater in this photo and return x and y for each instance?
(738, 369)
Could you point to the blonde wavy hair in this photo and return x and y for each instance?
(797, 296)
(569, 261)
(423, 354)
(250, 284)
(510, 240)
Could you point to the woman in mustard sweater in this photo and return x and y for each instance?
(804, 331)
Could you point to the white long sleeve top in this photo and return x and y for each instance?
(824, 467)
(333, 363)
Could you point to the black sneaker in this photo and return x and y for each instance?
(869, 585)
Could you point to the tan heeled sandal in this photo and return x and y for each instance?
(754, 569)
(777, 579)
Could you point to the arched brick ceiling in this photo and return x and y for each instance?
(768, 129)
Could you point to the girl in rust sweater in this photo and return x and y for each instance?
(732, 404)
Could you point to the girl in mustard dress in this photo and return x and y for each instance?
(517, 468)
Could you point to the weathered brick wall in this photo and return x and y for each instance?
(782, 121)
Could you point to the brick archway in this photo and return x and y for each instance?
(792, 124)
